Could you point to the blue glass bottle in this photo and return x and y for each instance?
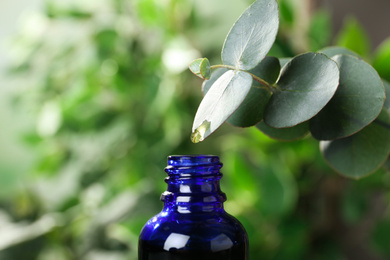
(193, 224)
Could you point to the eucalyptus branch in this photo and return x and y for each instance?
(306, 85)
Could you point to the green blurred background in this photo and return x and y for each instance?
(96, 94)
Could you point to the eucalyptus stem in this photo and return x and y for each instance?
(260, 80)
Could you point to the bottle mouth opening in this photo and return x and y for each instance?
(193, 160)
(193, 165)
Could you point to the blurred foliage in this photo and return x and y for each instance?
(106, 86)
(354, 37)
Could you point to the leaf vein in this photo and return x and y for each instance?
(244, 47)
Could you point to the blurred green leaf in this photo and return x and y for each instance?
(381, 59)
(243, 184)
(106, 41)
(380, 236)
(320, 31)
(286, 12)
(278, 190)
(53, 11)
(355, 205)
(294, 240)
(354, 37)
(149, 12)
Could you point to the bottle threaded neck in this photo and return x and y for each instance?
(193, 183)
(193, 165)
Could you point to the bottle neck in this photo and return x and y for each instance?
(193, 184)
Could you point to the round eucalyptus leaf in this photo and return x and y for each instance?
(362, 153)
(195, 66)
(222, 99)
(285, 134)
(205, 68)
(356, 103)
(336, 50)
(201, 68)
(252, 35)
(305, 86)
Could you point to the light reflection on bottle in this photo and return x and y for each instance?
(176, 241)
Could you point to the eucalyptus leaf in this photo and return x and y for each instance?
(201, 68)
(357, 102)
(252, 35)
(336, 50)
(223, 98)
(362, 153)
(305, 86)
(285, 134)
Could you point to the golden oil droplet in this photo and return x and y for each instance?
(198, 135)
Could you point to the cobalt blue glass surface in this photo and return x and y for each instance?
(193, 223)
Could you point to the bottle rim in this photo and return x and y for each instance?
(193, 160)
